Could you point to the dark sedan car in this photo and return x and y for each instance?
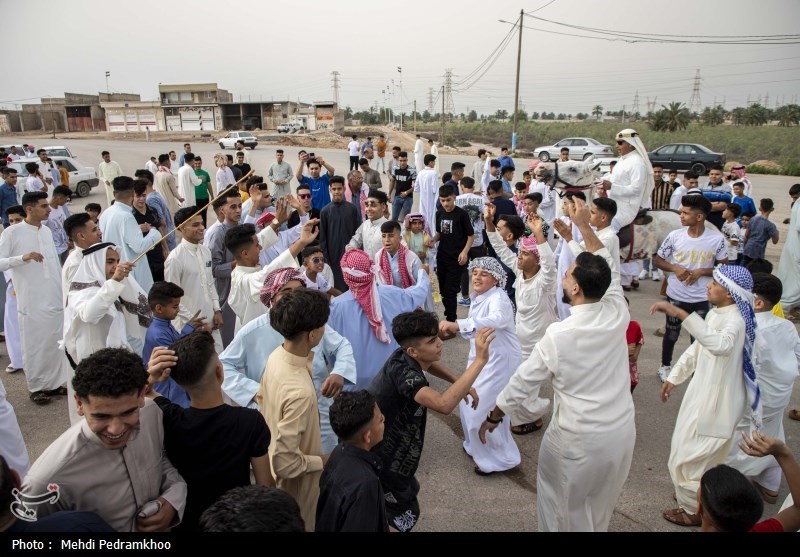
(687, 156)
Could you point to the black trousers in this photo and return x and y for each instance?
(449, 274)
(673, 328)
(353, 163)
(204, 214)
(474, 253)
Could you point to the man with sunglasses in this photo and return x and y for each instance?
(631, 183)
(304, 196)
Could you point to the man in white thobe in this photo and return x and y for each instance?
(427, 185)
(187, 180)
(435, 153)
(419, 153)
(119, 227)
(586, 451)
(107, 170)
(789, 264)
(29, 251)
(105, 308)
(189, 266)
(632, 180)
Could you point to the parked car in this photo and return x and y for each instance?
(605, 165)
(290, 127)
(687, 156)
(59, 151)
(580, 148)
(81, 178)
(229, 141)
(20, 152)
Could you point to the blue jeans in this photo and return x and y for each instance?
(401, 206)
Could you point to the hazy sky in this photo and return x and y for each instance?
(277, 49)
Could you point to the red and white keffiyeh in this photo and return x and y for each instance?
(360, 279)
(402, 264)
(276, 280)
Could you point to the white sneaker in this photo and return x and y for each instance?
(658, 274)
(11, 369)
(663, 373)
(644, 274)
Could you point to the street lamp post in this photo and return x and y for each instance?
(400, 71)
(108, 74)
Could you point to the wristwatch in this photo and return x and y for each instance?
(490, 420)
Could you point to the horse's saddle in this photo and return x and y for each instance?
(625, 235)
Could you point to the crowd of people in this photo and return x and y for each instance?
(268, 371)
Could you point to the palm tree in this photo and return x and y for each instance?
(597, 111)
(676, 116)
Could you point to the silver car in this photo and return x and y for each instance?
(580, 148)
(81, 178)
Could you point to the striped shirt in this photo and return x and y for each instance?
(661, 195)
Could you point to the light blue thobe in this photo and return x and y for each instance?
(119, 227)
(349, 320)
(246, 356)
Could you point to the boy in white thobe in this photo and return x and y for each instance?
(248, 276)
(586, 451)
(28, 250)
(777, 359)
(490, 307)
(716, 397)
(535, 296)
(189, 266)
(16, 214)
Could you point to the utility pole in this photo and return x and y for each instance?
(430, 100)
(107, 76)
(635, 103)
(415, 116)
(516, 89)
(448, 92)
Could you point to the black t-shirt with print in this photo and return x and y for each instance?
(211, 448)
(454, 228)
(394, 389)
(404, 180)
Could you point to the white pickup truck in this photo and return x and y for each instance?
(290, 127)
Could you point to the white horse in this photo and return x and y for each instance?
(578, 175)
(647, 238)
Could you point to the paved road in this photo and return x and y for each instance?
(453, 498)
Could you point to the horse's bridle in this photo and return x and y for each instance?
(563, 190)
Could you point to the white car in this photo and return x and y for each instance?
(59, 151)
(81, 178)
(290, 127)
(229, 141)
(580, 148)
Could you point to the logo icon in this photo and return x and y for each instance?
(24, 505)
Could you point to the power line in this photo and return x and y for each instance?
(538, 9)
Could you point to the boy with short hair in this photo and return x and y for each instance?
(314, 264)
(732, 232)
(351, 496)
(520, 190)
(94, 210)
(164, 299)
(404, 397)
(746, 203)
(288, 399)
(759, 231)
(455, 235)
(213, 445)
(55, 220)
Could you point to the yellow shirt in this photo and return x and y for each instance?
(288, 402)
(64, 176)
(777, 310)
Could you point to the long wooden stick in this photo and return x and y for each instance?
(199, 212)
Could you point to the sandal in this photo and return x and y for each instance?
(60, 391)
(40, 397)
(794, 414)
(525, 429)
(682, 518)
